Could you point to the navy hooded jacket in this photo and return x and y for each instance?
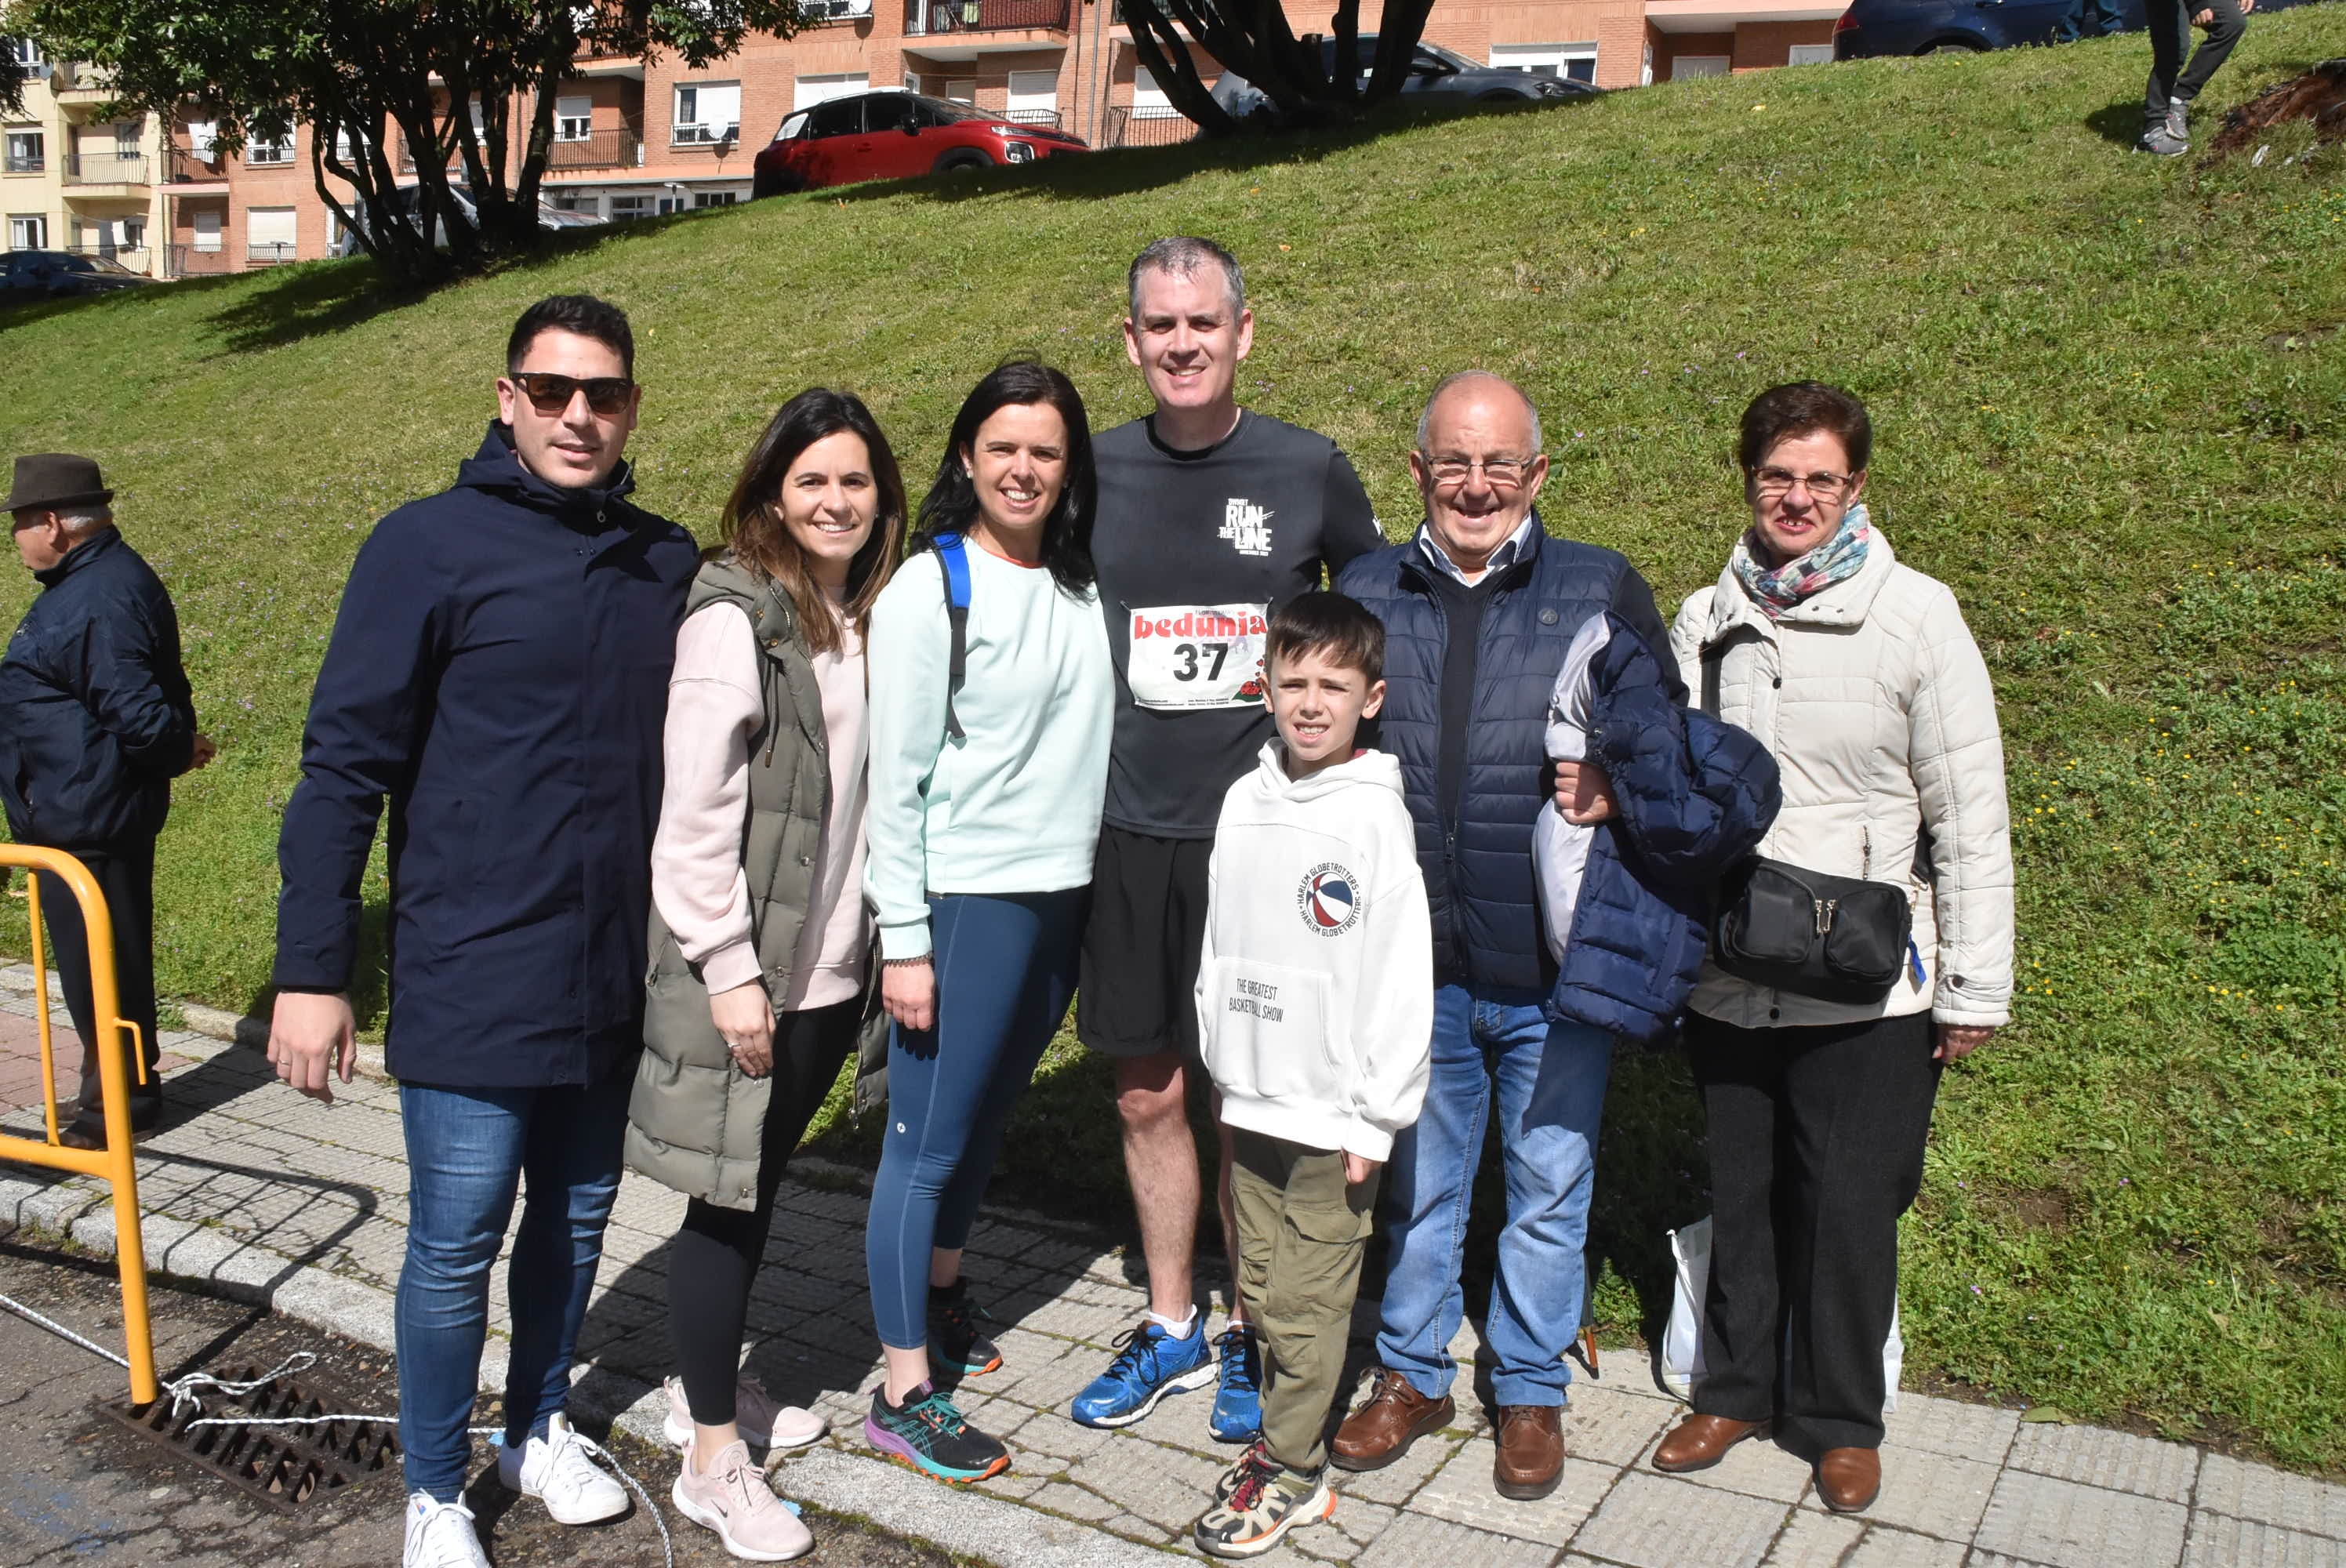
(96, 718)
(498, 672)
(1479, 873)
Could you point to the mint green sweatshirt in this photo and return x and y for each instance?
(1014, 806)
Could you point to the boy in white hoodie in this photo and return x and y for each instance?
(1315, 1007)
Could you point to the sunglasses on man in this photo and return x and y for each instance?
(551, 394)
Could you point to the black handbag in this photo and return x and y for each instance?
(1836, 938)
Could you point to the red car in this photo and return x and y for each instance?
(895, 135)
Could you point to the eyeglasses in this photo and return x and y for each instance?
(1498, 472)
(551, 394)
(1825, 487)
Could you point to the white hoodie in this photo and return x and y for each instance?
(1315, 992)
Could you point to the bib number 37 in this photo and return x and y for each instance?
(1197, 656)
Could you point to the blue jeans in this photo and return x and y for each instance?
(1006, 968)
(1551, 1081)
(467, 1152)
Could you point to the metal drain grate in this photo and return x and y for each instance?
(290, 1469)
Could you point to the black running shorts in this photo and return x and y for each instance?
(1137, 991)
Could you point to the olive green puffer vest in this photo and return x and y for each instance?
(695, 1121)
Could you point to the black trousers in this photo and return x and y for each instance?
(126, 875)
(715, 1257)
(2171, 79)
(1816, 1150)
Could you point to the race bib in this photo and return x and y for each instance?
(1197, 656)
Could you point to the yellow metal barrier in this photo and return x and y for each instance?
(114, 1163)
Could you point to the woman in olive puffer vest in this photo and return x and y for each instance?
(761, 964)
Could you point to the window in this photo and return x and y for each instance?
(269, 234)
(349, 146)
(28, 55)
(912, 83)
(808, 91)
(1810, 55)
(573, 118)
(962, 92)
(834, 10)
(707, 112)
(835, 116)
(207, 229)
(134, 234)
(203, 140)
(624, 207)
(262, 150)
(126, 138)
(1575, 61)
(570, 201)
(1687, 66)
(1034, 98)
(716, 197)
(27, 152)
(27, 231)
(1149, 99)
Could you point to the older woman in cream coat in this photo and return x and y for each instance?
(1858, 673)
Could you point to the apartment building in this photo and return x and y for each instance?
(636, 138)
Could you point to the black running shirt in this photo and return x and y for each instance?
(1194, 548)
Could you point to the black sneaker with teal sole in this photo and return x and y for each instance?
(929, 1434)
(956, 1338)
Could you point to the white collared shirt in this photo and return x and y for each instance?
(1509, 552)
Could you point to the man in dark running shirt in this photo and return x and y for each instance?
(1208, 517)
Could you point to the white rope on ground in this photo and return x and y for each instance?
(183, 1392)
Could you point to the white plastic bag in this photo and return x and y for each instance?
(1682, 1339)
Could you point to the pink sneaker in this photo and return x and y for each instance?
(732, 1497)
(759, 1419)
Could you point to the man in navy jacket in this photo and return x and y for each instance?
(96, 720)
(498, 673)
(1480, 608)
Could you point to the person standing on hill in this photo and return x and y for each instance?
(499, 673)
(1210, 516)
(2166, 101)
(96, 720)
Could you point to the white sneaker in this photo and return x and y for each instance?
(732, 1497)
(555, 1469)
(441, 1535)
(761, 1421)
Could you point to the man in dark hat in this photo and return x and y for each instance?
(96, 720)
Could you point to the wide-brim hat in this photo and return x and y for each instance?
(54, 481)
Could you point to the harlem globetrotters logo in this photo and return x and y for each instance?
(1330, 898)
(1246, 526)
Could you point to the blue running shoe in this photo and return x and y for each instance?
(1238, 1403)
(1149, 1364)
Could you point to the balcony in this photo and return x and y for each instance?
(1129, 126)
(72, 82)
(195, 166)
(260, 253)
(937, 18)
(615, 148)
(137, 258)
(269, 153)
(196, 261)
(120, 169)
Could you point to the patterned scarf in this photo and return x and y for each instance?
(1777, 588)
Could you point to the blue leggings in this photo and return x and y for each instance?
(1005, 966)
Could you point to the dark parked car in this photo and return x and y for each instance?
(60, 274)
(895, 135)
(1433, 72)
(1870, 28)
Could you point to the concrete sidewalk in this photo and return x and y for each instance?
(275, 1197)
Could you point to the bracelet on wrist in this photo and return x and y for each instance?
(903, 962)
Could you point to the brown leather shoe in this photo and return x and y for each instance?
(1849, 1479)
(1699, 1443)
(1531, 1452)
(1381, 1430)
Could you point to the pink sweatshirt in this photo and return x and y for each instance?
(714, 709)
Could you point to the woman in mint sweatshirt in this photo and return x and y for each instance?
(984, 807)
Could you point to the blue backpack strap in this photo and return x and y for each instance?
(954, 561)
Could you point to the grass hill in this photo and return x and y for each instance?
(2111, 395)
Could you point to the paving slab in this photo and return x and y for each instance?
(2069, 1524)
(1418, 1541)
(1932, 1494)
(1652, 1521)
(1463, 1491)
(2119, 1460)
(2220, 1542)
(2245, 1491)
(1814, 1540)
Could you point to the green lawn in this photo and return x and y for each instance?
(2109, 395)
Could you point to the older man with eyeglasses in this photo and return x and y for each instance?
(1480, 608)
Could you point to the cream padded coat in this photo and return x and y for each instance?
(1877, 707)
